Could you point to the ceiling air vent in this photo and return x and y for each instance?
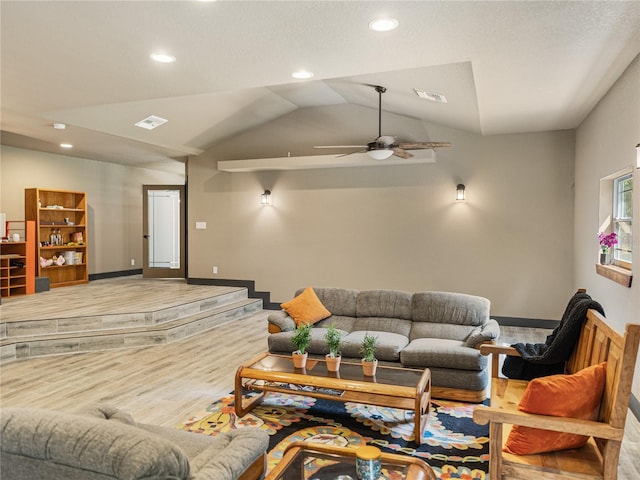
(151, 122)
(431, 96)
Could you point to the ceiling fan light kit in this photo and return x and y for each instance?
(380, 154)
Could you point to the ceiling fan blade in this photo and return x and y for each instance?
(339, 146)
(399, 152)
(419, 145)
(351, 153)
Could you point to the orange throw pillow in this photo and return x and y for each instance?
(575, 396)
(306, 308)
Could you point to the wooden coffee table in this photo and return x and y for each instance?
(395, 387)
(302, 458)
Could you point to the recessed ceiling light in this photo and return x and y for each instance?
(151, 122)
(59, 126)
(163, 57)
(383, 24)
(302, 74)
(431, 96)
(66, 145)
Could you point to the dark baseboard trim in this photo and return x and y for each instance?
(250, 285)
(634, 406)
(121, 273)
(526, 322)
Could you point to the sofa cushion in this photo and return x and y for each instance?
(383, 324)
(281, 342)
(98, 447)
(388, 347)
(438, 352)
(439, 330)
(340, 321)
(384, 303)
(104, 411)
(306, 308)
(452, 308)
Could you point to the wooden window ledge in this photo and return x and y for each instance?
(617, 274)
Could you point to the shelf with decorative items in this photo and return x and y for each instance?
(17, 265)
(61, 245)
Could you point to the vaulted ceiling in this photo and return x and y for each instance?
(504, 67)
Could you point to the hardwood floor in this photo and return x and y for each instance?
(165, 384)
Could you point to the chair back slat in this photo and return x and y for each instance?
(600, 343)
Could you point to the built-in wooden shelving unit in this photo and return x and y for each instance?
(61, 231)
(17, 260)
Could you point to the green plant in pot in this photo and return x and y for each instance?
(368, 352)
(300, 340)
(333, 336)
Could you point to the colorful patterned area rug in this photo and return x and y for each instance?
(453, 445)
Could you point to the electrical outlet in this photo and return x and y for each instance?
(133, 262)
(215, 270)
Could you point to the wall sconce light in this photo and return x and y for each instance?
(460, 192)
(265, 198)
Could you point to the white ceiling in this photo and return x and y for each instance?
(505, 67)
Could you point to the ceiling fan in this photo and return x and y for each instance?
(385, 145)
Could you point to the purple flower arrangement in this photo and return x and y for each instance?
(607, 241)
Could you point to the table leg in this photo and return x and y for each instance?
(242, 407)
(421, 416)
(422, 404)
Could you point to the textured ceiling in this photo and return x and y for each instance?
(505, 67)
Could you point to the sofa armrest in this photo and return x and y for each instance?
(487, 332)
(237, 451)
(280, 322)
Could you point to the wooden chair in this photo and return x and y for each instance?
(598, 459)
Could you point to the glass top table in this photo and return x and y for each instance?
(395, 387)
(312, 461)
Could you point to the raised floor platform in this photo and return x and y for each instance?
(115, 313)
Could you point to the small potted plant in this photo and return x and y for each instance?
(300, 340)
(333, 336)
(368, 352)
(606, 243)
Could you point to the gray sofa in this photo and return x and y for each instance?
(100, 442)
(441, 331)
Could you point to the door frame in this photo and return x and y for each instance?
(156, 272)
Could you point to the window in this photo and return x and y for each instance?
(616, 215)
(622, 218)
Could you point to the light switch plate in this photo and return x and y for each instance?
(201, 225)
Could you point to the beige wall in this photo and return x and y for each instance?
(605, 143)
(399, 227)
(114, 194)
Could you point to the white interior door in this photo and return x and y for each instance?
(163, 231)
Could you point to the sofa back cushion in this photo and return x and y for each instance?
(96, 448)
(458, 312)
(384, 303)
(447, 307)
(339, 301)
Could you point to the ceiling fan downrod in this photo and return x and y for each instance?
(380, 91)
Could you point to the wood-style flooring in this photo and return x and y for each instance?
(165, 384)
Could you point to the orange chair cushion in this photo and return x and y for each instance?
(574, 396)
(306, 308)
